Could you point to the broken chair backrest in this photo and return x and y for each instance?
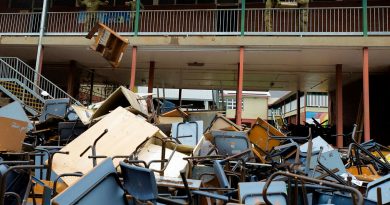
(384, 184)
(16, 182)
(220, 173)
(100, 186)
(229, 143)
(259, 135)
(54, 107)
(249, 192)
(139, 182)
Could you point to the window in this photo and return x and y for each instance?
(317, 100)
(302, 101)
(294, 105)
(230, 104)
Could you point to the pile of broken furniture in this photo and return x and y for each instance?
(116, 153)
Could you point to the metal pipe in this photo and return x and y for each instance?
(353, 191)
(39, 58)
(93, 147)
(3, 181)
(15, 195)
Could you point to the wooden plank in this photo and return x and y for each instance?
(121, 97)
(153, 152)
(169, 120)
(12, 134)
(125, 132)
(175, 113)
(222, 123)
(177, 182)
(83, 113)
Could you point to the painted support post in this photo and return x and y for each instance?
(240, 79)
(133, 67)
(339, 105)
(242, 17)
(298, 122)
(42, 28)
(151, 83)
(365, 20)
(136, 25)
(366, 95)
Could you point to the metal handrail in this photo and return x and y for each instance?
(8, 73)
(285, 21)
(43, 83)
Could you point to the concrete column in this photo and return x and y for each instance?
(150, 85)
(298, 119)
(71, 78)
(240, 79)
(366, 95)
(339, 105)
(133, 67)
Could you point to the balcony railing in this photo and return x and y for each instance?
(320, 21)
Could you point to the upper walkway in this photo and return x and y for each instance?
(324, 21)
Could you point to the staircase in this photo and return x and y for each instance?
(24, 95)
(17, 82)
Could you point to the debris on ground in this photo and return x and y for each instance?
(116, 153)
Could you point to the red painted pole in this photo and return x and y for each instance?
(133, 67)
(240, 80)
(339, 105)
(366, 95)
(298, 119)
